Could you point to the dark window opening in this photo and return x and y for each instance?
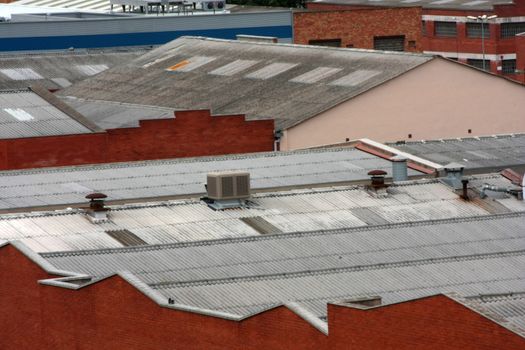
(326, 42)
(445, 29)
(509, 30)
(508, 66)
(424, 28)
(389, 43)
(479, 64)
(470, 131)
(409, 136)
(474, 30)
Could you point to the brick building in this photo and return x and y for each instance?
(70, 300)
(444, 26)
(317, 95)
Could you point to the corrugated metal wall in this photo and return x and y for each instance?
(139, 31)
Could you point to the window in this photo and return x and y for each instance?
(508, 66)
(479, 63)
(326, 42)
(423, 28)
(389, 43)
(508, 30)
(447, 29)
(474, 30)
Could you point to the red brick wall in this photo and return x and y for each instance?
(190, 134)
(432, 323)
(358, 27)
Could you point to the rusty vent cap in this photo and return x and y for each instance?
(96, 195)
(377, 173)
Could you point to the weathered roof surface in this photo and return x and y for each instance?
(289, 83)
(396, 261)
(57, 70)
(491, 152)
(23, 113)
(174, 177)
(509, 307)
(430, 4)
(110, 115)
(266, 213)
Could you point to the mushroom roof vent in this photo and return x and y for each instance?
(96, 195)
(377, 173)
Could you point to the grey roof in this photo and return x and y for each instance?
(110, 115)
(272, 212)
(177, 177)
(399, 262)
(430, 4)
(24, 113)
(509, 307)
(57, 70)
(289, 83)
(488, 153)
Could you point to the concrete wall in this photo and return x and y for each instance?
(440, 99)
(190, 134)
(358, 28)
(112, 314)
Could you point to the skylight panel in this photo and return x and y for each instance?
(271, 70)
(21, 74)
(356, 78)
(91, 69)
(191, 63)
(234, 67)
(316, 75)
(19, 114)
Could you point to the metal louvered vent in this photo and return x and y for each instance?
(228, 185)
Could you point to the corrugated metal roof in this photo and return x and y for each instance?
(288, 211)
(398, 262)
(23, 113)
(268, 90)
(510, 307)
(491, 152)
(174, 177)
(53, 69)
(430, 4)
(111, 115)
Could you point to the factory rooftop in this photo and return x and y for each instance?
(475, 5)
(265, 213)
(490, 153)
(184, 176)
(29, 113)
(398, 262)
(481, 154)
(57, 70)
(288, 83)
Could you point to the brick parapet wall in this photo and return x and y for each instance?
(190, 134)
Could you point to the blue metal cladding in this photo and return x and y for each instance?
(133, 39)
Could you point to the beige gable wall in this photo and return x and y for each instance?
(440, 99)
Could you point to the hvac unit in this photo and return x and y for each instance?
(213, 5)
(228, 185)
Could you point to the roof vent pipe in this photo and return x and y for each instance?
(378, 179)
(453, 175)
(97, 210)
(399, 168)
(464, 193)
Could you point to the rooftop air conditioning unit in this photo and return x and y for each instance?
(213, 5)
(228, 185)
